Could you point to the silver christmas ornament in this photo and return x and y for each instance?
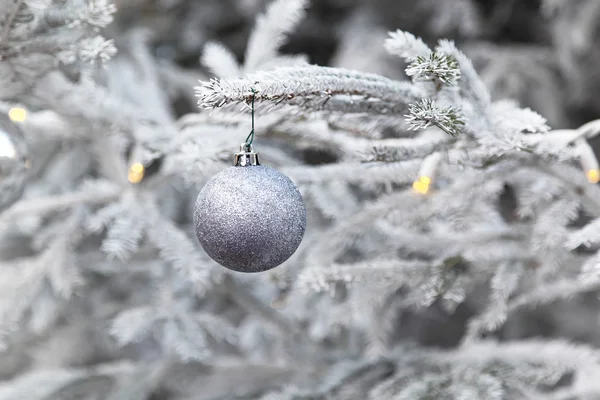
(13, 162)
(249, 217)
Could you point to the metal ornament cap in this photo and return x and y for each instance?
(250, 218)
(246, 156)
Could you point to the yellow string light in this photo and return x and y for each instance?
(136, 173)
(593, 175)
(421, 185)
(17, 114)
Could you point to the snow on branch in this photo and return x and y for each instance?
(177, 248)
(503, 284)
(512, 117)
(312, 88)
(98, 14)
(360, 173)
(96, 50)
(485, 370)
(472, 87)
(220, 61)
(560, 289)
(406, 45)
(184, 335)
(426, 113)
(92, 192)
(366, 273)
(586, 236)
(436, 66)
(270, 31)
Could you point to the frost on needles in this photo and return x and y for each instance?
(437, 247)
(406, 220)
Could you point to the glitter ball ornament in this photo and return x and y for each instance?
(13, 162)
(249, 217)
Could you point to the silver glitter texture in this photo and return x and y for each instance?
(250, 219)
(13, 162)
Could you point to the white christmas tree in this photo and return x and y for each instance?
(440, 202)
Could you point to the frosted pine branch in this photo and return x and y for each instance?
(406, 45)
(185, 335)
(497, 216)
(220, 61)
(436, 66)
(503, 285)
(176, 248)
(368, 273)
(560, 289)
(486, 370)
(586, 236)
(366, 174)
(124, 232)
(132, 325)
(91, 193)
(512, 117)
(472, 87)
(426, 113)
(97, 50)
(312, 88)
(99, 14)
(393, 150)
(270, 31)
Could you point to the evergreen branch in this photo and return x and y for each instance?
(312, 88)
(590, 193)
(132, 325)
(176, 247)
(96, 50)
(365, 273)
(406, 45)
(249, 302)
(503, 284)
(98, 14)
(427, 113)
(9, 21)
(393, 150)
(270, 31)
(548, 293)
(54, 203)
(309, 351)
(472, 87)
(586, 236)
(367, 174)
(220, 61)
(508, 115)
(436, 66)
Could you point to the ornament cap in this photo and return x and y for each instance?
(246, 156)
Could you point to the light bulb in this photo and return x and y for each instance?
(593, 175)
(421, 185)
(136, 173)
(588, 160)
(17, 114)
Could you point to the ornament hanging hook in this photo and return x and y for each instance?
(250, 137)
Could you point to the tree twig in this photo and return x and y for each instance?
(9, 21)
(56, 202)
(250, 303)
(246, 300)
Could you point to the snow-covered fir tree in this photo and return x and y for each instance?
(446, 226)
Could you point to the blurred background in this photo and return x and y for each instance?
(545, 54)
